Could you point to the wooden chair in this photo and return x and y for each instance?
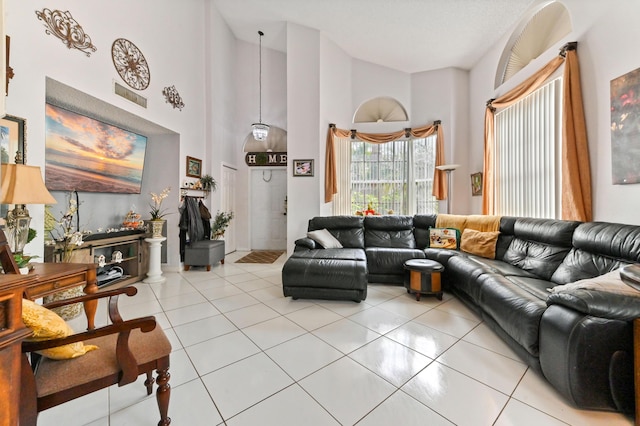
(127, 349)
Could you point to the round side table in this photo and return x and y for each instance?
(422, 276)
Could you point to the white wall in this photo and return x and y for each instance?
(175, 58)
(220, 114)
(335, 105)
(304, 136)
(607, 37)
(443, 95)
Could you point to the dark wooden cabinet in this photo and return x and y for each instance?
(128, 251)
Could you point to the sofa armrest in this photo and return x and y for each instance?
(598, 303)
(306, 243)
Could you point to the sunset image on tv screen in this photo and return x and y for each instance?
(87, 155)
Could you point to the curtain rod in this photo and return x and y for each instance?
(572, 45)
(406, 129)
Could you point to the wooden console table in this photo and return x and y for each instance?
(53, 277)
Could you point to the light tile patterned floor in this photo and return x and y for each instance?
(245, 355)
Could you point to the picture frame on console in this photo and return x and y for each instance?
(194, 167)
(303, 167)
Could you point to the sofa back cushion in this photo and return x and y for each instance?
(421, 225)
(349, 230)
(507, 224)
(389, 231)
(599, 248)
(540, 245)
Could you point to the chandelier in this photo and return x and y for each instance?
(260, 130)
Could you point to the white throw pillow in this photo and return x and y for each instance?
(609, 282)
(324, 238)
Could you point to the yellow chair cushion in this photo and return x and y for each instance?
(47, 325)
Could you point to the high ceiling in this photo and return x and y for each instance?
(407, 35)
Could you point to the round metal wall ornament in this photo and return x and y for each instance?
(130, 64)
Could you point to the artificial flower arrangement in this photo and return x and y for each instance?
(62, 230)
(156, 208)
(370, 211)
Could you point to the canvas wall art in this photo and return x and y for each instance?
(625, 128)
(87, 155)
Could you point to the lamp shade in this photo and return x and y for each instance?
(447, 167)
(22, 184)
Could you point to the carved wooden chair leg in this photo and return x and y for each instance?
(149, 382)
(162, 396)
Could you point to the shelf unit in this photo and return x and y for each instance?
(133, 258)
(199, 193)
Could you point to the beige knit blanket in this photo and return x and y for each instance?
(482, 223)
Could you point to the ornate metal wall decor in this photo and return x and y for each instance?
(130, 64)
(62, 25)
(172, 96)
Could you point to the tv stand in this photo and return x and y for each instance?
(133, 257)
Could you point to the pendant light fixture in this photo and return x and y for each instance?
(260, 130)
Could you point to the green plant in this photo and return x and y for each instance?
(208, 183)
(32, 235)
(220, 223)
(22, 260)
(156, 208)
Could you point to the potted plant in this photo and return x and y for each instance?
(208, 183)
(23, 262)
(220, 223)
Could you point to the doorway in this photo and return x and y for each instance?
(228, 204)
(268, 219)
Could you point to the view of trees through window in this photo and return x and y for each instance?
(394, 177)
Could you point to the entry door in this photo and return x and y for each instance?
(268, 221)
(228, 204)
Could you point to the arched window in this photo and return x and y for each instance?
(537, 32)
(381, 109)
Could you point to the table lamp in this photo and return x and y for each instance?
(21, 184)
(448, 168)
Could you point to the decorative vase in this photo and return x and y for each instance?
(156, 227)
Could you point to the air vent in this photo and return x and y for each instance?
(129, 95)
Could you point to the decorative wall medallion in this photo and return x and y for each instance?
(62, 25)
(172, 96)
(130, 64)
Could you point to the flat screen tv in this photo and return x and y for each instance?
(87, 155)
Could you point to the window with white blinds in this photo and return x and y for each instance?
(528, 142)
(391, 178)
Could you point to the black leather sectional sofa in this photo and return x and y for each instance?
(580, 340)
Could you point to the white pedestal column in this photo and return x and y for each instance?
(155, 271)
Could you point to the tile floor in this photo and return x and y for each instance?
(245, 355)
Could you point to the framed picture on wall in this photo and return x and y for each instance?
(13, 139)
(303, 167)
(476, 184)
(625, 132)
(194, 167)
